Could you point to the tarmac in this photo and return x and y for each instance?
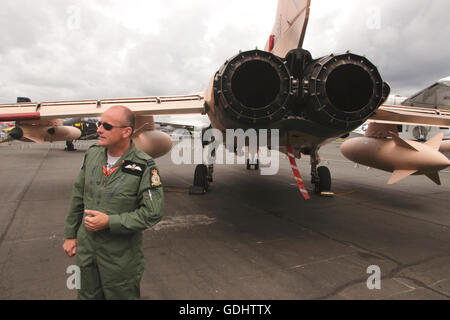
(250, 237)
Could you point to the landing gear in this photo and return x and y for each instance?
(70, 146)
(320, 177)
(201, 182)
(209, 173)
(254, 165)
(324, 182)
(203, 175)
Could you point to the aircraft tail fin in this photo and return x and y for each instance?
(399, 175)
(290, 26)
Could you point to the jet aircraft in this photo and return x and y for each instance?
(311, 101)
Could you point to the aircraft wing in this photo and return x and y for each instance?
(411, 115)
(167, 105)
(290, 26)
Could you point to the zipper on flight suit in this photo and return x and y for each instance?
(113, 191)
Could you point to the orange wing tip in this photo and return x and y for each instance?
(399, 175)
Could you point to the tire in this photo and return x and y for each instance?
(325, 179)
(200, 176)
(70, 146)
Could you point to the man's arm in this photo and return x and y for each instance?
(76, 209)
(151, 203)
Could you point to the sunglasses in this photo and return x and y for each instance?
(109, 127)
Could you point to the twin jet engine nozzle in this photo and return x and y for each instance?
(258, 89)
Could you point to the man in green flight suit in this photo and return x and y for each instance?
(117, 195)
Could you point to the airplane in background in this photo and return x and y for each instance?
(311, 101)
(5, 127)
(437, 97)
(39, 131)
(4, 132)
(192, 123)
(395, 100)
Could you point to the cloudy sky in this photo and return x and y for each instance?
(80, 49)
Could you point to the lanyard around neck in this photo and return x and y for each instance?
(110, 171)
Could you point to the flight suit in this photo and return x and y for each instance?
(111, 260)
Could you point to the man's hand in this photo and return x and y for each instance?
(70, 247)
(96, 220)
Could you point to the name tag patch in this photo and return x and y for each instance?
(136, 169)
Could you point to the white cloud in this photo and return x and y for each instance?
(79, 49)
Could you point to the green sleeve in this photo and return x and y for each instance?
(148, 213)
(76, 208)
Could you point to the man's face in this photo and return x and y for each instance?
(115, 135)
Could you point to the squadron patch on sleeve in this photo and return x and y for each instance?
(133, 168)
(155, 178)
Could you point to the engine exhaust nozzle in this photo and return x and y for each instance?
(253, 88)
(343, 90)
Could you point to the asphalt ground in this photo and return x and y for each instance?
(251, 237)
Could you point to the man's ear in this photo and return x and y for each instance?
(128, 133)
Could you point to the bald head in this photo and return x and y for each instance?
(122, 114)
(120, 122)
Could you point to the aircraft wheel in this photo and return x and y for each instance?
(249, 167)
(201, 183)
(70, 146)
(324, 179)
(201, 176)
(257, 164)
